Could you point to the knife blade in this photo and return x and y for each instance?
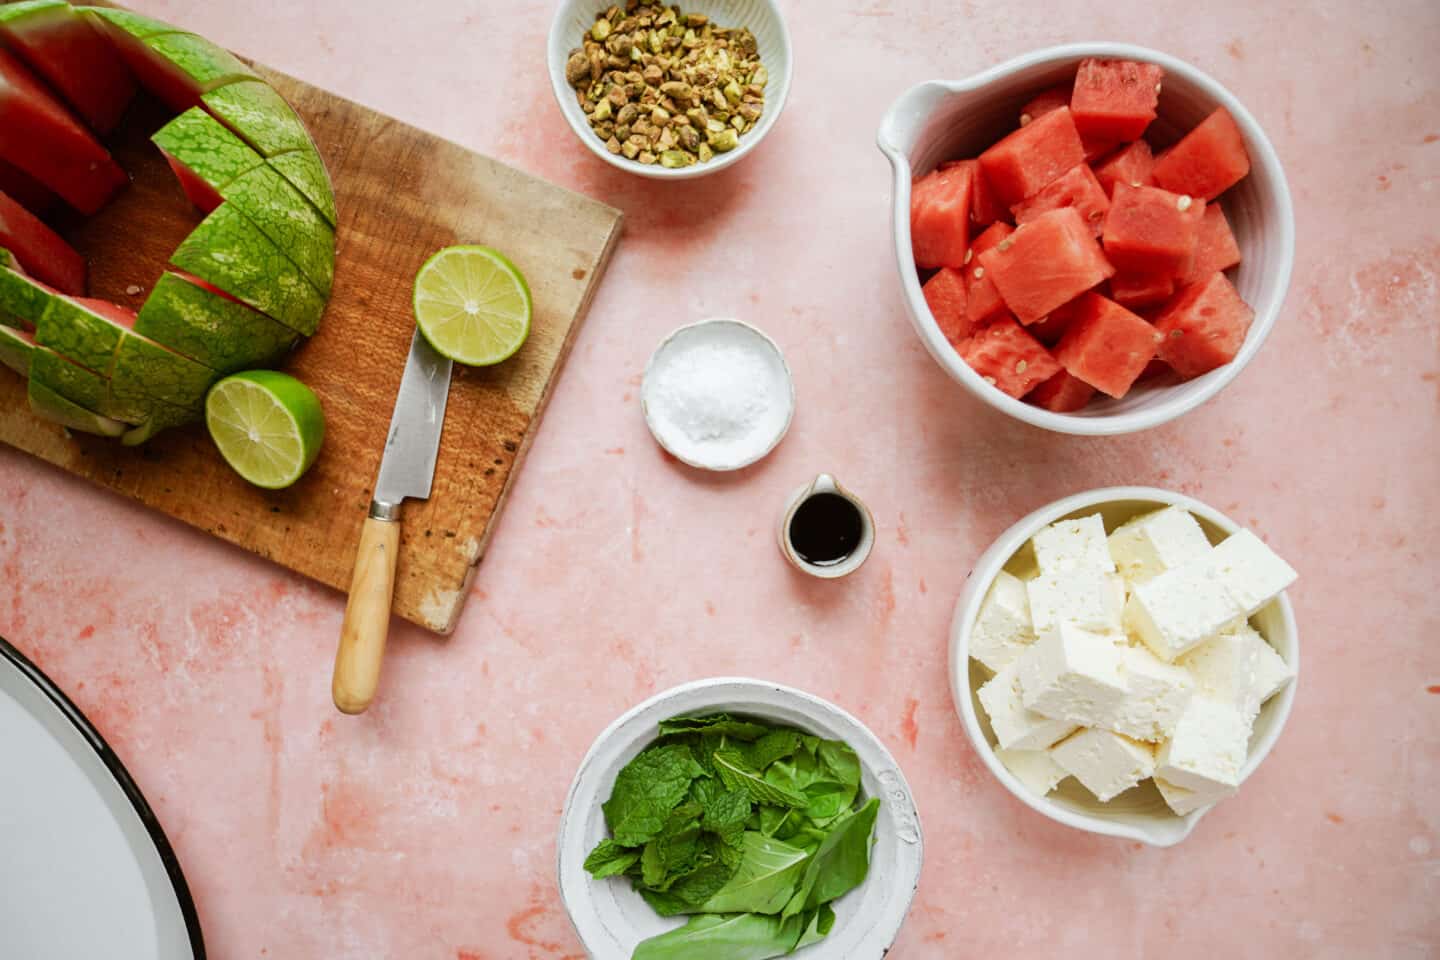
(407, 470)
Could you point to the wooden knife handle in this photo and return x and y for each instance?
(367, 616)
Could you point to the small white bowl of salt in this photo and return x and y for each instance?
(717, 394)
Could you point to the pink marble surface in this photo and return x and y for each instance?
(425, 829)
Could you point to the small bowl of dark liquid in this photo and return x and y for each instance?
(826, 531)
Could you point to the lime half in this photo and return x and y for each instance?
(473, 305)
(268, 426)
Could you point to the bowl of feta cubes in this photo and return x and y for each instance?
(1124, 659)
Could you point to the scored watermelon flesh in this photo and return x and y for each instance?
(1203, 327)
(205, 197)
(945, 295)
(1215, 248)
(71, 54)
(1009, 358)
(1030, 158)
(1062, 393)
(1046, 263)
(1115, 99)
(25, 189)
(39, 136)
(40, 251)
(1107, 346)
(1150, 230)
(1207, 161)
(940, 217)
(1077, 188)
(1133, 164)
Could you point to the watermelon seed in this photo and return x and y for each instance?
(1025, 118)
(1005, 244)
(969, 254)
(979, 273)
(1183, 203)
(1020, 366)
(989, 380)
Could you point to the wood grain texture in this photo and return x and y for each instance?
(402, 195)
(367, 617)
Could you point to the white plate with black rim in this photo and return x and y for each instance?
(85, 869)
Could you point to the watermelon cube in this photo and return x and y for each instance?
(39, 136)
(1009, 358)
(1134, 290)
(940, 217)
(70, 54)
(1079, 189)
(1133, 164)
(1045, 263)
(1115, 99)
(1030, 158)
(1051, 327)
(945, 295)
(983, 301)
(1046, 101)
(39, 250)
(1107, 346)
(1149, 230)
(25, 189)
(1062, 393)
(984, 208)
(1215, 248)
(1203, 326)
(1209, 160)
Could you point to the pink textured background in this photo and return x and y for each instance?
(426, 829)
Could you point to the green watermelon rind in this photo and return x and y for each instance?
(22, 298)
(163, 418)
(207, 64)
(137, 25)
(83, 387)
(230, 253)
(210, 151)
(284, 215)
(223, 335)
(79, 334)
(306, 170)
(49, 405)
(16, 348)
(144, 370)
(19, 13)
(260, 116)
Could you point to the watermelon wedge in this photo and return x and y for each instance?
(72, 56)
(23, 299)
(231, 253)
(178, 68)
(16, 346)
(192, 318)
(307, 172)
(80, 386)
(78, 333)
(133, 24)
(49, 405)
(269, 201)
(260, 116)
(25, 189)
(39, 136)
(143, 369)
(204, 155)
(39, 250)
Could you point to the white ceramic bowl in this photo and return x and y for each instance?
(575, 17)
(611, 918)
(1141, 813)
(939, 121)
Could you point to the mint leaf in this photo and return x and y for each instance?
(646, 790)
(673, 851)
(609, 859)
(725, 810)
(840, 761)
(775, 745)
(716, 723)
(736, 774)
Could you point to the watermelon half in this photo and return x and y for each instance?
(39, 250)
(72, 56)
(39, 136)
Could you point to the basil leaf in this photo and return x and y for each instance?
(746, 936)
(646, 790)
(775, 745)
(609, 859)
(840, 863)
(768, 877)
(817, 927)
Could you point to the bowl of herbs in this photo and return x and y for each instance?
(737, 818)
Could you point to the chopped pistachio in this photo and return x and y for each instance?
(705, 153)
(613, 145)
(602, 111)
(724, 142)
(760, 77)
(647, 158)
(630, 149)
(676, 158)
(601, 30)
(733, 92)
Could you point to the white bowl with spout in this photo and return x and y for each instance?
(943, 120)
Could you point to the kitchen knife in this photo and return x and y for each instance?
(407, 468)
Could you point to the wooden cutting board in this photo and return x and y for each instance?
(402, 194)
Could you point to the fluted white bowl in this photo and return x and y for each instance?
(611, 918)
(1139, 813)
(938, 121)
(574, 17)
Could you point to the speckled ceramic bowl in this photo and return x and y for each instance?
(574, 17)
(610, 916)
(939, 121)
(1140, 813)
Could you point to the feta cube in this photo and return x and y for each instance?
(1183, 801)
(1106, 763)
(1034, 768)
(1073, 675)
(1155, 695)
(1179, 610)
(1250, 571)
(1149, 545)
(1237, 667)
(1085, 598)
(1208, 748)
(1002, 631)
(1017, 728)
(1070, 545)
